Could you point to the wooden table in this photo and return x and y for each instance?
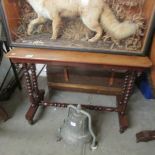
(133, 66)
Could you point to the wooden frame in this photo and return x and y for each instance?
(10, 24)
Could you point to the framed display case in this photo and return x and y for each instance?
(108, 26)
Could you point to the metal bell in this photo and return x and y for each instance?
(77, 128)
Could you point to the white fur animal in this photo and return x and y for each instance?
(95, 14)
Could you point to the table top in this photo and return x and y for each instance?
(21, 55)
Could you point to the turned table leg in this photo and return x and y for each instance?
(39, 94)
(35, 96)
(123, 99)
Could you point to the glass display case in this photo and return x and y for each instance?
(108, 26)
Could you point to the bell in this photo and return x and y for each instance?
(77, 128)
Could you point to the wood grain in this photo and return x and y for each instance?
(42, 55)
(12, 15)
(86, 88)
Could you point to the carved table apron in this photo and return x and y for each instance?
(133, 65)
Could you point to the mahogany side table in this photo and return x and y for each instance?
(132, 65)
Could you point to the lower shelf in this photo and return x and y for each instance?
(86, 88)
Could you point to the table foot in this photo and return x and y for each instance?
(31, 113)
(123, 122)
(34, 107)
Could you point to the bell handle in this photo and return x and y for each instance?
(78, 109)
(94, 143)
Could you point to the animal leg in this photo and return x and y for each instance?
(33, 23)
(93, 25)
(56, 26)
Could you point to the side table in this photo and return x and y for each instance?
(131, 65)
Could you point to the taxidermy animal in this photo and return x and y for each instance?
(95, 14)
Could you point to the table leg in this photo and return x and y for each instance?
(39, 94)
(35, 96)
(123, 120)
(122, 100)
